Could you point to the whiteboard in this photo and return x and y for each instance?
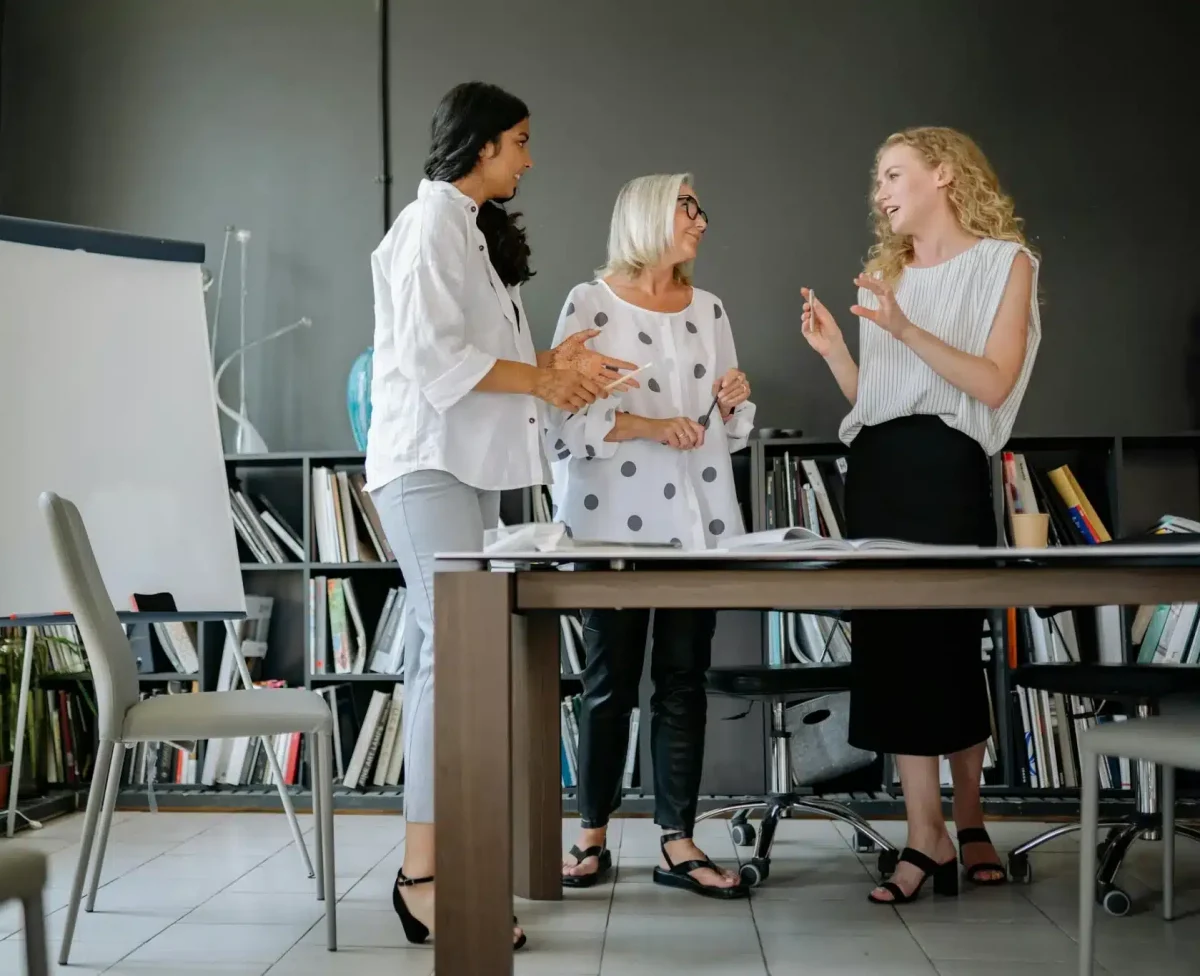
(107, 399)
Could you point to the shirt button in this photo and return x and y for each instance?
(472, 208)
(532, 421)
(481, 247)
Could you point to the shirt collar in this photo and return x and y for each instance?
(429, 188)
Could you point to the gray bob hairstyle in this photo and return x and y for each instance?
(643, 226)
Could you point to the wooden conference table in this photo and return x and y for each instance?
(498, 791)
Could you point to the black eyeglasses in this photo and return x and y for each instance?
(691, 207)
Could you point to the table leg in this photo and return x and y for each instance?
(537, 763)
(473, 773)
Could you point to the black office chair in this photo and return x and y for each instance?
(1140, 688)
(781, 686)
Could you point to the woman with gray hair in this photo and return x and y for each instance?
(651, 464)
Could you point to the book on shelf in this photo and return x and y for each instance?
(375, 755)
(346, 525)
(263, 530)
(569, 744)
(337, 634)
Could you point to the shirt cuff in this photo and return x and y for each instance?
(739, 426)
(446, 390)
(598, 421)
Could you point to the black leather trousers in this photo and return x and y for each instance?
(615, 646)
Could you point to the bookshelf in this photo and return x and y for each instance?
(1131, 480)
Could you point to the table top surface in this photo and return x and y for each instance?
(1164, 552)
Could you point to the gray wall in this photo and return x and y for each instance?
(177, 119)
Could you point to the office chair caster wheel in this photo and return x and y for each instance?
(754, 872)
(887, 863)
(863, 844)
(743, 834)
(1019, 871)
(1115, 901)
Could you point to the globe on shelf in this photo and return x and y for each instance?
(358, 397)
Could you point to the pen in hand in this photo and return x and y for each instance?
(704, 420)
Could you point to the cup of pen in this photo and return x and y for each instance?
(1031, 530)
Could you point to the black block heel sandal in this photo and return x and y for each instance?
(945, 879)
(601, 854)
(679, 875)
(415, 930)
(979, 835)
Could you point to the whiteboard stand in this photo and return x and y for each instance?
(284, 796)
(14, 783)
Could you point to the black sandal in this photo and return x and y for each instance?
(945, 879)
(601, 854)
(979, 835)
(415, 930)
(679, 875)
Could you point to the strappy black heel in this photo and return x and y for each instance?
(679, 875)
(601, 854)
(945, 879)
(979, 835)
(415, 930)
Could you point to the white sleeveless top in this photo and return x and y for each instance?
(957, 302)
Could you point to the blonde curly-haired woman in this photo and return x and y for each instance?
(948, 333)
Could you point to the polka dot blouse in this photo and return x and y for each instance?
(640, 490)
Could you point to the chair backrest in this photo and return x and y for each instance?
(109, 655)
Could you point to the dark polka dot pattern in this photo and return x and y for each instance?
(591, 451)
(601, 320)
(645, 338)
(691, 327)
(559, 445)
(676, 542)
(717, 311)
(635, 523)
(709, 475)
(653, 386)
(629, 469)
(591, 502)
(563, 455)
(570, 308)
(699, 371)
(668, 490)
(716, 526)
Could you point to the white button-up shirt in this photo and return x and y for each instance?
(640, 490)
(442, 319)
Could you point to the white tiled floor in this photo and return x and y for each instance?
(224, 895)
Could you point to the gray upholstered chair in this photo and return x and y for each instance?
(123, 719)
(22, 877)
(1170, 742)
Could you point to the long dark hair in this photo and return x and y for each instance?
(469, 117)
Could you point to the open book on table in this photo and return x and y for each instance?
(800, 539)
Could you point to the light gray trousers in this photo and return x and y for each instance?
(424, 513)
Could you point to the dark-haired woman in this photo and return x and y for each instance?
(455, 391)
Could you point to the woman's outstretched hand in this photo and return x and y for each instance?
(889, 315)
(572, 353)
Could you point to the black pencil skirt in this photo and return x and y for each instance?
(918, 686)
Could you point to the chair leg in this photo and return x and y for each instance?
(325, 749)
(736, 808)
(316, 771)
(1168, 842)
(94, 803)
(1089, 814)
(285, 797)
(835, 811)
(36, 963)
(106, 815)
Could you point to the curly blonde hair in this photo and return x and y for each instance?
(979, 205)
